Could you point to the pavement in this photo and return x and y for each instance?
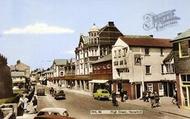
(166, 105)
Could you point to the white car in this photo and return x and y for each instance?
(52, 111)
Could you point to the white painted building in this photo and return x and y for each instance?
(138, 65)
(58, 67)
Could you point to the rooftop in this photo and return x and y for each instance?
(17, 74)
(183, 35)
(146, 41)
(60, 61)
(103, 59)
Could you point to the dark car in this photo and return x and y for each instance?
(59, 95)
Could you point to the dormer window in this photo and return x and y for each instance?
(183, 49)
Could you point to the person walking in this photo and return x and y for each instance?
(35, 103)
(114, 101)
(25, 103)
(21, 105)
(152, 99)
(121, 95)
(157, 99)
(176, 99)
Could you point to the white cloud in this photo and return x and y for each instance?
(39, 28)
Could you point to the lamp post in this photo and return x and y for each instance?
(142, 72)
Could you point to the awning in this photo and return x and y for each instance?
(98, 81)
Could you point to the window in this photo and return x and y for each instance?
(121, 62)
(185, 79)
(124, 52)
(137, 59)
(81, 66)
(183, 49)
(115, 53)
(162, 68)
(169, 68)
(125, 61)
(119, 52)
(161, 52)
(147, 69)
(150, 87)
(146, 51)
(116, 63)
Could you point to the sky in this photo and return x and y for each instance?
(39, 31)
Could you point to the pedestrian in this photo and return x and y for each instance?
(125, 95)
(176, 98)
(157, 98)
(121, 95)
(152, 99)
(144, 96)
(25, 103)
(21, 105)
(114, 101)
(35, 103)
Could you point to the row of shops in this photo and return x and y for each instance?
(134, 90)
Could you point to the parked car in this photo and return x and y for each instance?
(8, 111)
(40, 91)
(53, 113)
(101, 94)
(59, 95)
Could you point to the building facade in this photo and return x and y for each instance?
(58, 67)
(20, 74)
(102, 73)
(97, 44)
(181, 51)
(137, 63)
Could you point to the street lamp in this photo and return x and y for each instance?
(142, 72)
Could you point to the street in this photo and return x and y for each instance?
(79, 106)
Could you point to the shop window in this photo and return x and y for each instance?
(150, 87)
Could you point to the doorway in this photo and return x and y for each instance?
(138, 88)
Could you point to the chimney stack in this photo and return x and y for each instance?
(179, 33)
(110, 23)
(151, 36)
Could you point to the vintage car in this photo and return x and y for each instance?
(53, 113)
(101, 94)
(59, 95)
(40, 91)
